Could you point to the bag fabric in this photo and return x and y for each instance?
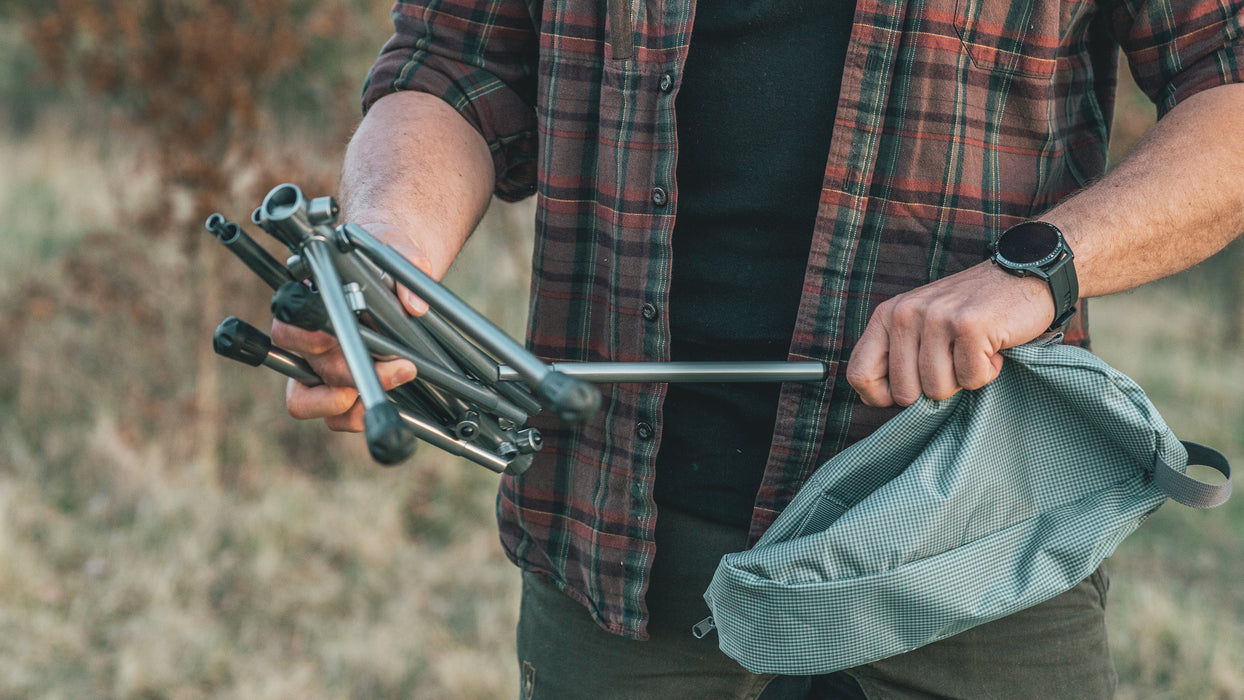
(956, 513)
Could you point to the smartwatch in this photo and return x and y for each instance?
(1038, 249)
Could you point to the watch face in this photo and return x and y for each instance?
(1027, 245)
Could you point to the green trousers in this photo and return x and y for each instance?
(1054, 650)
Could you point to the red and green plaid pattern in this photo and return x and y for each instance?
(956, 119)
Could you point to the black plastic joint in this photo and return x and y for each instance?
(296, 304)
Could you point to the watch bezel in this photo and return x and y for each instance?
(1038, 266)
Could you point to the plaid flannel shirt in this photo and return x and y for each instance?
(957, 118)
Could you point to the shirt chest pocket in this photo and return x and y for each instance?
(1020, 37)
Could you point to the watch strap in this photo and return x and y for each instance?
(1065, 288)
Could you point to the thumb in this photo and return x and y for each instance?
(413, 252)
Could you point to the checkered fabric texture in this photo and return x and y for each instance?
(953, 514)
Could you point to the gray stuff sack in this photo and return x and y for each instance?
(955, 513)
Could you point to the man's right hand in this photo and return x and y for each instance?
(337, 400)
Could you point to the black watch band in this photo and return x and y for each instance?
(1039, 249)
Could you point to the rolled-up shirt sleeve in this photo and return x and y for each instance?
(480, 58)
(1177, 48)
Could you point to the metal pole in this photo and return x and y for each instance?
(575, 402)
(682, 372)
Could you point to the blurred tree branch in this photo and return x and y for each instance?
(192, 76)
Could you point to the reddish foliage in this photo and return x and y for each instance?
(189, 74)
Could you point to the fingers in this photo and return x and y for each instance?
(318, 348)
(944, 337)
(938, 375)
(349, 422)
(313, 402)
(905, 353)
(336, 400)
(902, 354)
(907, 325)
(339, 404)
(975, 366)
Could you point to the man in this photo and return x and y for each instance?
(769, 180)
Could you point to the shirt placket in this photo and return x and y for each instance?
(649, 195)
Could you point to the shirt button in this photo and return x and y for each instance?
(644, 431)
(650, 312)
(667, 82)
(659, 197)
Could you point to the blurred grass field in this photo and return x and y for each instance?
(1177, 610)
(281, 563)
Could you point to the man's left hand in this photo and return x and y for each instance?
(946, 335)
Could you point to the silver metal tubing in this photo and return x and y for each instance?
(438, 437)
(429, 335)
(574, 401)
(436, 375)
(248, 251)
(383, 306)
(319, 257)
(457, 311)
(283, 214)
(292, 366)
(682, 372)
(476, 361)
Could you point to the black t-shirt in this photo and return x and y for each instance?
(755, 113)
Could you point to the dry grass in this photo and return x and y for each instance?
(165, 584)
(56, 186)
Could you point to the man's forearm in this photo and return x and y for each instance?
(420, 174)
(1177, 199)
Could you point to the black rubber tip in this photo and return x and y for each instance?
(238, 340)
(389, 439)
(294, 303)
(573, 400)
